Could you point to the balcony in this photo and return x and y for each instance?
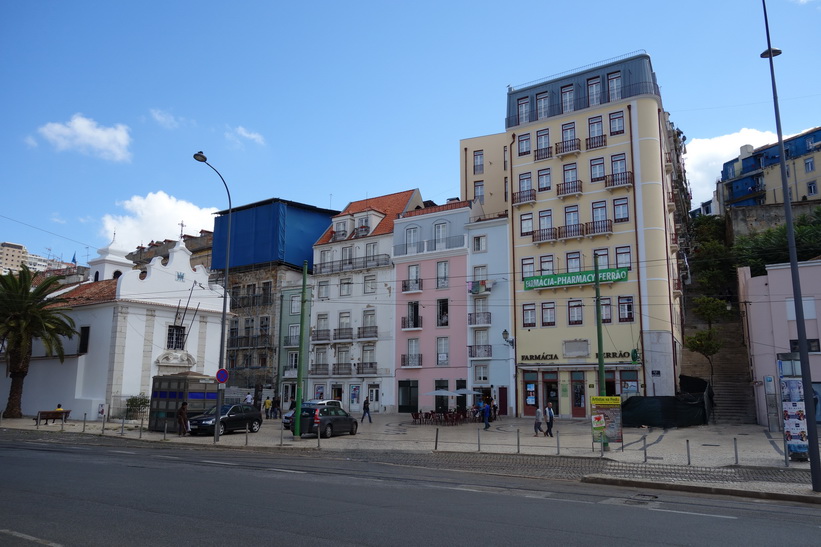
(566, 148)
(674, 242)
(339, 235)
(343, 369)
(481, 286)
(251, 300)
(544, 153)
(545, 235)
(571, 230)
(619, 180)
(411, 360)
(366, 369)
(668, 163)
(671, 202)
(367, 332)
(677, 287)
(479, 318)
(411, 322)
(254, 341)
(453, 242)
(480, 352)
(319, 369)
(361, 263)
(343, 334)
(321, 335)
(571, 188)
(411, 285)
(291, 341)
(523, 197)
(599, 227)
(362, 231)
(599, 141)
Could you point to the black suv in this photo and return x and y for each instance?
(232, 418)
(329, 420)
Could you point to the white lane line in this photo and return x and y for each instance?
(287, 471)
(694, 514)
(121, 452)
(218, 463)
(167, 457)
(30, 538)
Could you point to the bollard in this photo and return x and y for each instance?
(63, 423)
(281, 433)
(518, 441)
(102, 428)
(601, 445)
(735, 447)
(37, 422)
(318, 435)
(479, 439)
(165, 431)
(84, 422)
(558, 449)
(141, 426)
(436, 443)
(688, 451)
(122, 427)
(644, 441)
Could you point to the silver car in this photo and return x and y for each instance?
(288, 417)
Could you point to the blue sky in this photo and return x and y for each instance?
(104, 102)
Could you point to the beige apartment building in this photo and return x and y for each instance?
(12, 255)
(588, 168)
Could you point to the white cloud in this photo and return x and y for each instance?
(56, 218)
(164, 118)
(84, 135)
(30, 141)
(156, 216)
(706, 157)
(235, 134)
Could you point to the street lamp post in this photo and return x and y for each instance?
(200, 157)
(806, 373)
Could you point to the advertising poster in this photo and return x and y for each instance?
(354, 395)
(795, 418)
(319, 391)
(531, 394)
(606, 419)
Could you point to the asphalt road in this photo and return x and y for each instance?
(66, 492)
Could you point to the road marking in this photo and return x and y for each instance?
(167, 457)
(121, 452)
(287, 471)
(691, 513)
(30, 538)
(218, 463)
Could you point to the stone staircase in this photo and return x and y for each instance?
(732, 389)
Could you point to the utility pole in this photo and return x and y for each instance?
(303, 355)
(602, 387)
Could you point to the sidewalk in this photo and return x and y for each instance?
(650, 457)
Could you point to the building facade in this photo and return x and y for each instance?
(587, 170)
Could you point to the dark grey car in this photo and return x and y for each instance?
(328, 420)
(232, 418)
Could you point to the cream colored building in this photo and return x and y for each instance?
(12, 255)
(589, 166)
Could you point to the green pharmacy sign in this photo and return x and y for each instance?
(610, 275)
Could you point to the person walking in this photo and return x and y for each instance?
(276, 407)
(537, 425)
(366, 411)
(548, 420)
(249, 399)
(268, 404)
(486, 415)
(182, 419)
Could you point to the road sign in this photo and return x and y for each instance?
(222, 376)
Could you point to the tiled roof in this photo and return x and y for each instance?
(86, 294)
(390, 206)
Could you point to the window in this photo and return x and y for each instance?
(442, 312)
(529, 315)
(479, 191)
(574, 262)
(812, 345)
(528, 267)
(574, 312)
(616, 123)
(623, 258)
(249, 326)
(480, 374)
(322, 290)
(544, 180)
(606, 313)
(264, 325)
(594, 127)
(176, 337)
(523, 110)
(546, 264)
(597, 170)
(85, 334)
(621, 213)
(414, 359)
(812, 188)
(524, 144)
(571, 215)
(345, 286)
(542, 106)
(293, 335)
(614, 86)
(347, 255)
(625, 309)
(526, 224)
(568, 131)
(293, 360)
(542, 143)
(545, 219)
(262, 360)
(344, 320)
(599, 211)
(233, 330)
(525, 183)
(479, 244)
(370, 284)
(548, 314)
(480, 273)
(442, 351)
(602, 258)
(266, 292)
(594, 91)
(296, 302)
(412, 239)
(442, 275)
(568, 99)
(370, 251)
(809, 165)
(570, 173)
(478, 162)
(369, 318)
(440, 235)
(618, 164)
(325, 256)
(321, 357)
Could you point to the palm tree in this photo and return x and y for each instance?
(26, 313)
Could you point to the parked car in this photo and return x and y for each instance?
(232, 418)
(328, 420)
(288, 417)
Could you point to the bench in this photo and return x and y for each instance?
(52, 415)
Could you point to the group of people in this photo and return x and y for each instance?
(487, 410)
(547, 416)
(272, 407)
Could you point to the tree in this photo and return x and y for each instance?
(27, 311)
(706, 341)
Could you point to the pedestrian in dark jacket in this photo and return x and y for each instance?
(486, 415)
(366, 411)
(182, 419)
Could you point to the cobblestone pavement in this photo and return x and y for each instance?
(741, 460)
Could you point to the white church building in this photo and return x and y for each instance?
(132, 326)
